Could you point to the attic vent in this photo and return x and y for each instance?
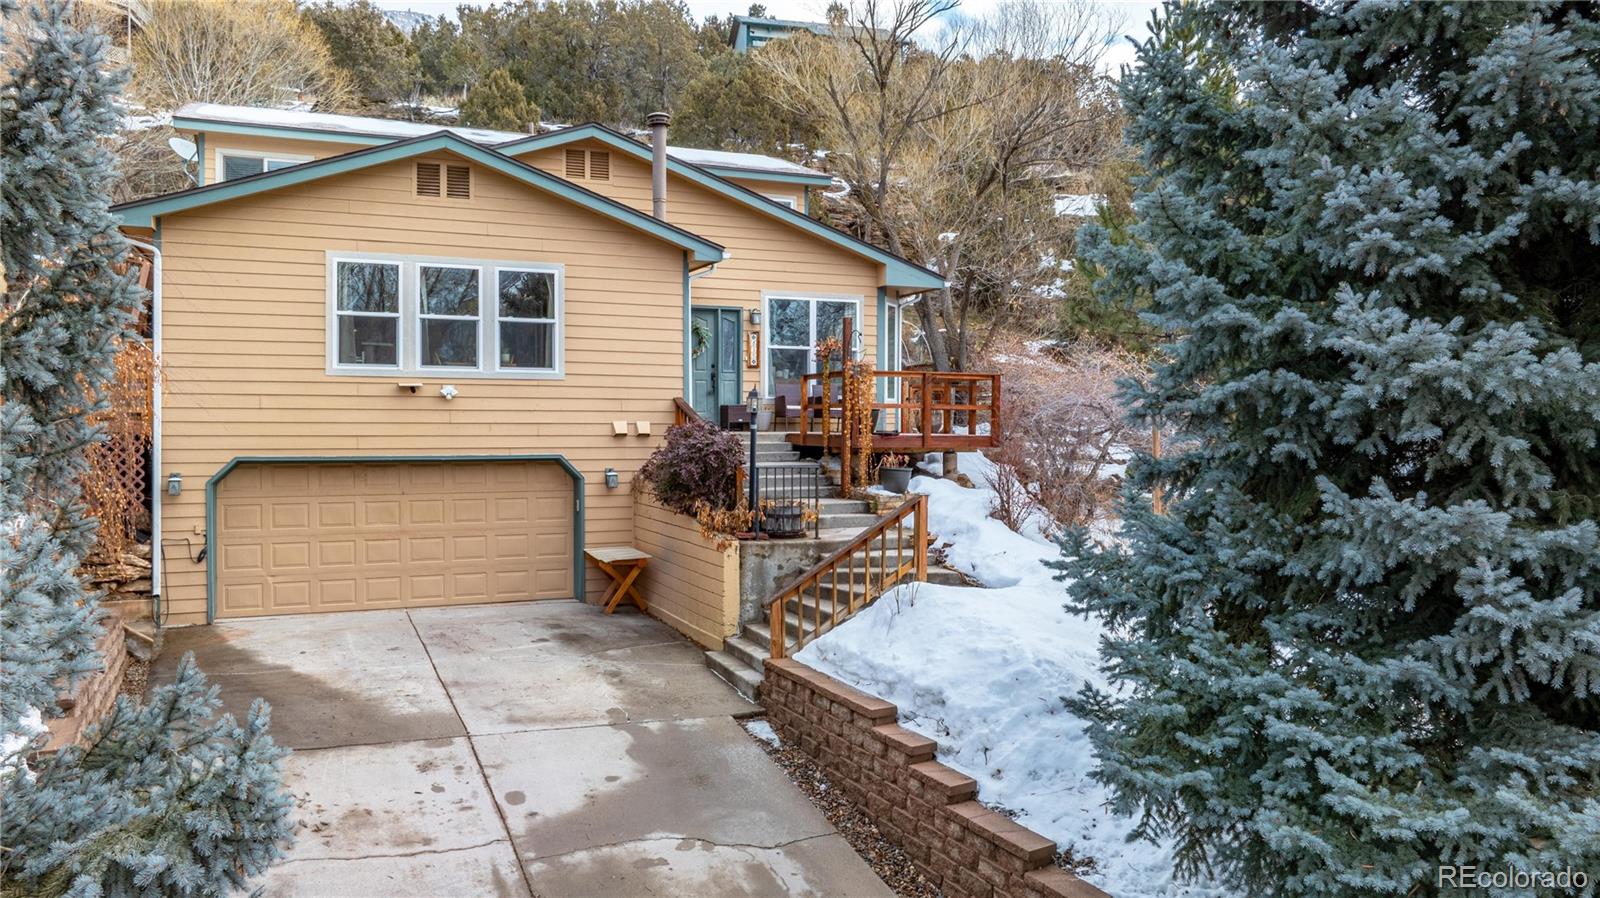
(600, 165)
(427, 179)
(575, 164)
(458, 182)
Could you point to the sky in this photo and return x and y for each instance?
(1134, 15)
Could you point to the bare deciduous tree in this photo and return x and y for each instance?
(258, 53)
(953, 147)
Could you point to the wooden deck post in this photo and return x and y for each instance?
(920, 550)
(927, 410)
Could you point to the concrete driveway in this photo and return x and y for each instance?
(535, 749)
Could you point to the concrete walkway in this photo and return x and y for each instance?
(534, 749)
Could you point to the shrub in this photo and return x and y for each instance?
(1064, 431)
(696, 467)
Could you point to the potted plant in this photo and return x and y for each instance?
(783, 518)
(894, 473)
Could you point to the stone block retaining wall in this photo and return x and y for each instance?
(928, 809)
(93, 695)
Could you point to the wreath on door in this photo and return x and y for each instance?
(701, 336)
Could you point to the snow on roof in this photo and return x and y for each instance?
(1082, 205)
(755, 161)
(337, 124)
(357, 125)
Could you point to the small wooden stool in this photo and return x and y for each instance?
(622, 564)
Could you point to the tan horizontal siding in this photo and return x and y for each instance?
(767, 254)
(689, 582)
(244, 339)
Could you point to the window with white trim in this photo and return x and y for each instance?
(527, 315)
(795, 326)
(367, 312)
(240, 165)
(448, 311)
(462, 317)
(781, 199)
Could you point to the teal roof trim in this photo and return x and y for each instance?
(143, 213)
(752, 174)
(899, 273)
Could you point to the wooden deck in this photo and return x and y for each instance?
(937, 411)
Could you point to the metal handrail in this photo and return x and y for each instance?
(831, 566)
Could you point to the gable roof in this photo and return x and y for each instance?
(898, 271)
(325, 127)
(142, 213)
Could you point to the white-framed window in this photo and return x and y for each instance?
(448, 301)
(232, 164)
(794, 325)
(781, 199)
(400, 315)
(366, 312)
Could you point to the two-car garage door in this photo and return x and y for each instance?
(311, 537)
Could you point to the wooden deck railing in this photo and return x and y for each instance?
(928, 408)
(864, 570)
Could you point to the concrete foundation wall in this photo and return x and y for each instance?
(689, 583)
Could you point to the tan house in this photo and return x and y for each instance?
(406, 366)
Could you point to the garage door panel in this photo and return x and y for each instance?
(387, 535)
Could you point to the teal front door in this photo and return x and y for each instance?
(714, 361)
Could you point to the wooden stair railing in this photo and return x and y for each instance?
(824, 578)
(683, 412)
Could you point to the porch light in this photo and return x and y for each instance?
(752, 404)
(755, 316)
(174, 484)
(611, 478)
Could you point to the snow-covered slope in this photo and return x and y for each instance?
(983, 671)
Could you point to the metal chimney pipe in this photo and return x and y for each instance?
(658, 122)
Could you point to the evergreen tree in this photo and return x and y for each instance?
(382, 64)
(1366, 641)
(498, 102)
(729, 107)
(165, 799)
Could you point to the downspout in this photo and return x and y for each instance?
(155, 408)
(688, 364)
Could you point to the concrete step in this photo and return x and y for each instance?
(741, 676)
(764, 456)
(943, 576)
(749, 652)
(830, 521)
(770, 436)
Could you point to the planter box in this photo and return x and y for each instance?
(690, 583)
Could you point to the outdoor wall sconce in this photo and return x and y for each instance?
(611, 478)
(755, 316)
(174, 483)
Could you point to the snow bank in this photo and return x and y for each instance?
(984, 672)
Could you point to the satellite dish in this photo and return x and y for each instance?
(185, 149)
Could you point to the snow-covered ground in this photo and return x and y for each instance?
(983, 671)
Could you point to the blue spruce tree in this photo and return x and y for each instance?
(1365, 642)
(164, 798)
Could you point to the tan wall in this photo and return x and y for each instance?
(767, 255)
(244, 339)
(268, 146)
(689, 582)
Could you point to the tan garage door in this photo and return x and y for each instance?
(303, 538)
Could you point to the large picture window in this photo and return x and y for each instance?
(444, 316)
(795, 327)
